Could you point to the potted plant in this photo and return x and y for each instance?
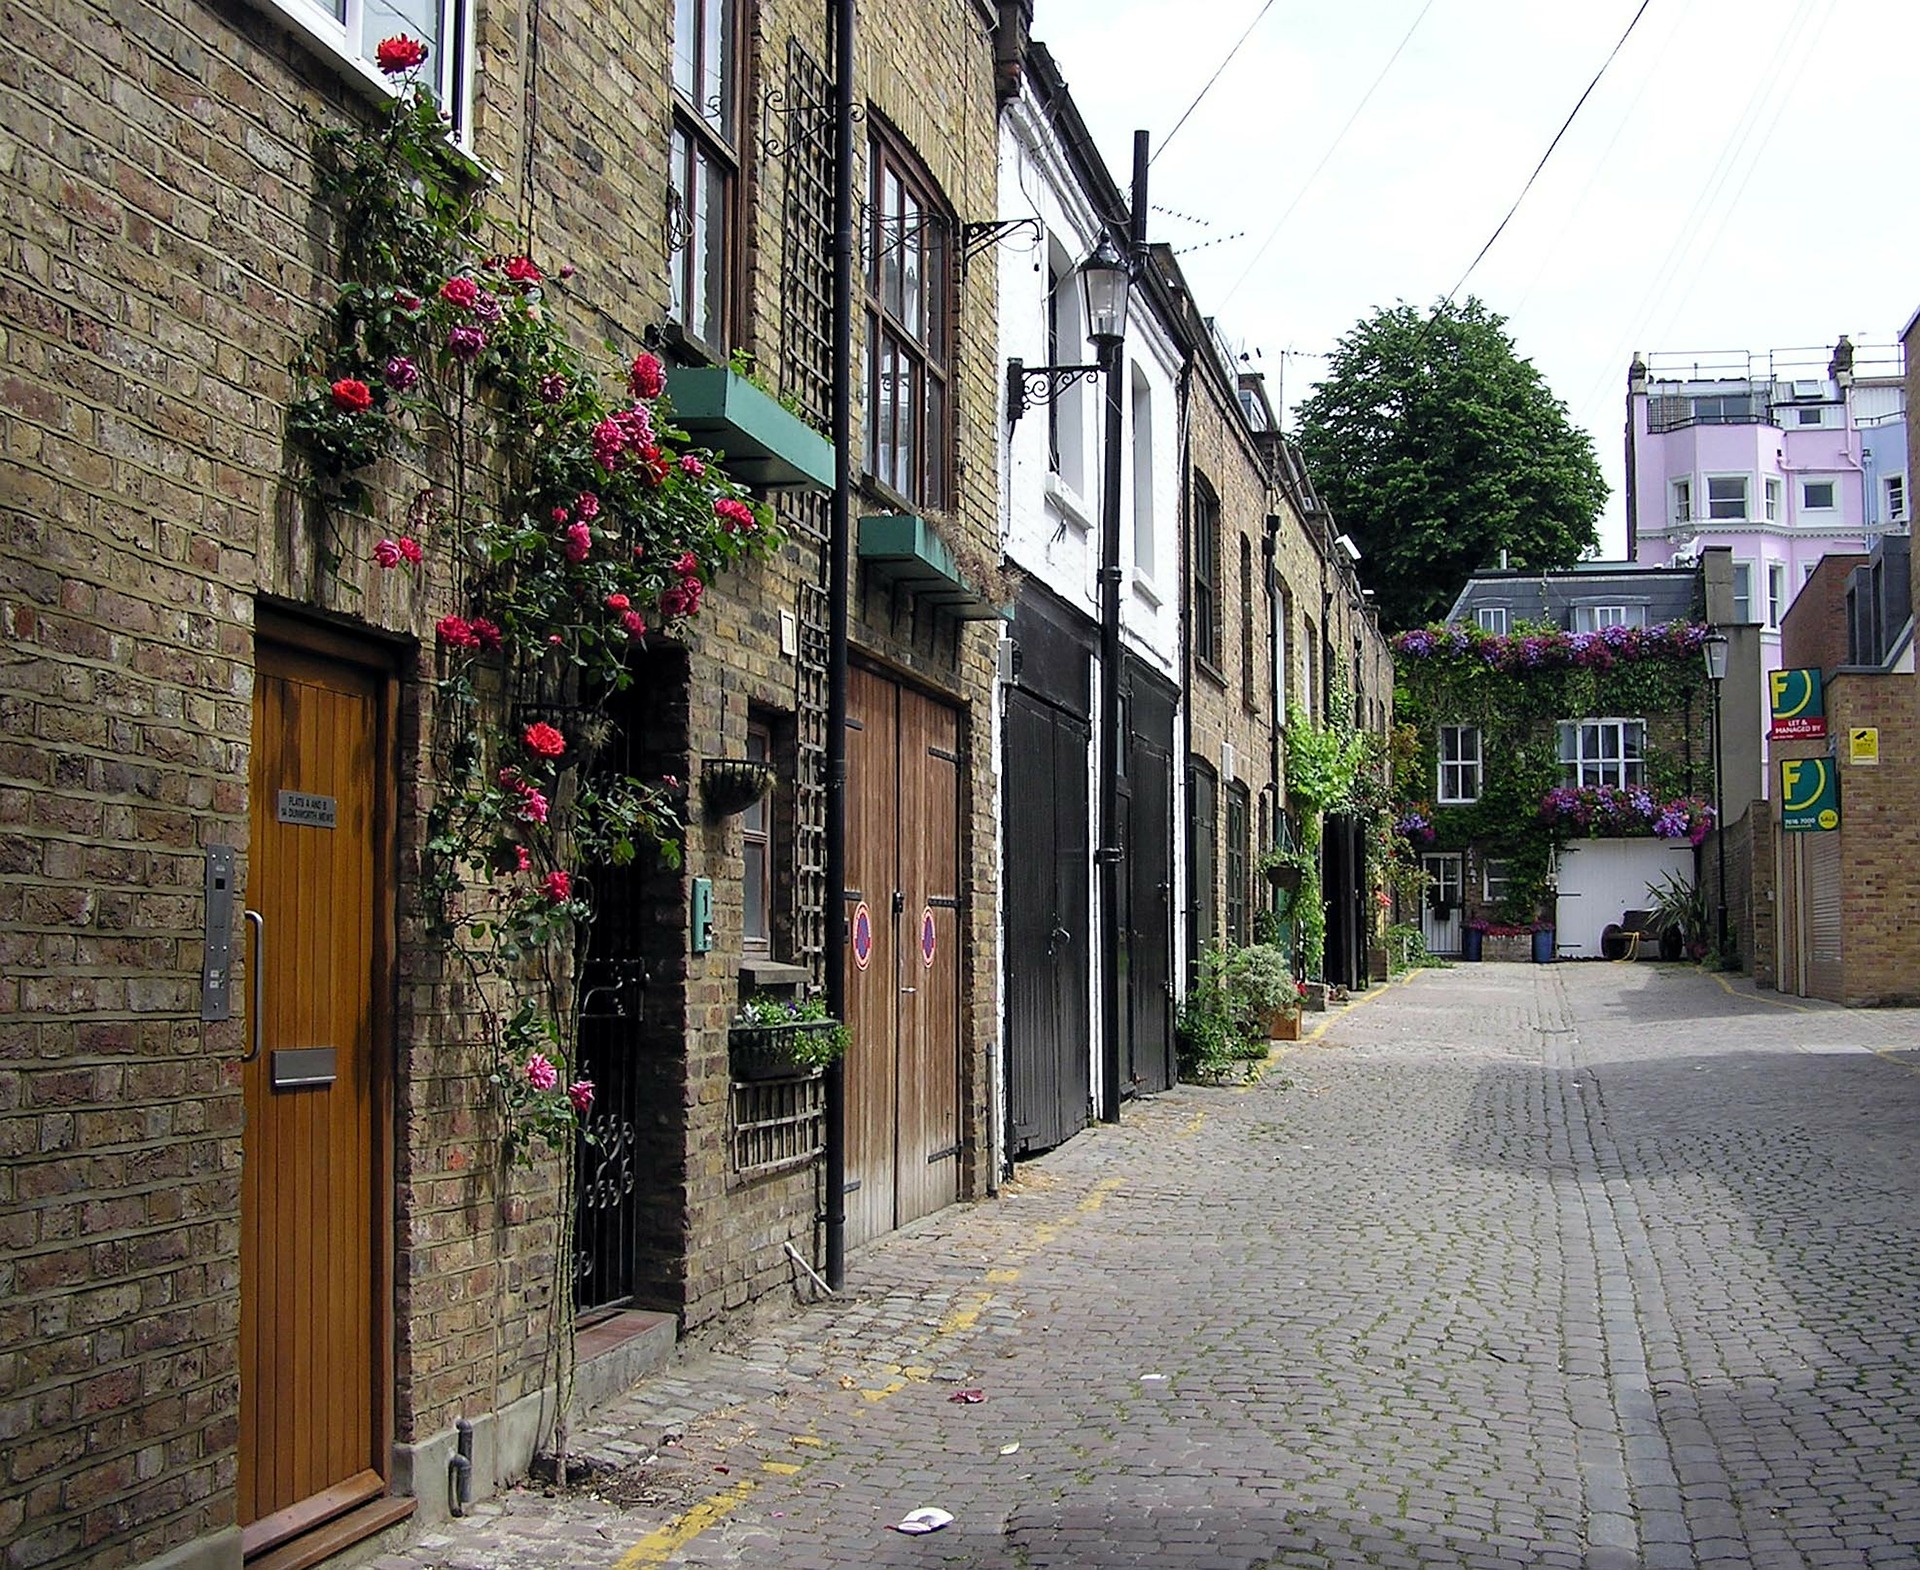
(775, 1037)
(1263, 997)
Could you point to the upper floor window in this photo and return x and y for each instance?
(1894, 486)
(1776, 592)
(1143, 542)
(1459, 765)
(1772, 490)
(1249, 694)
(1066, 410)
(1813, 416)
(1682, 494)
(1206, 574)
(1492, 618)
(1818, 495)
(1743, 591)
(1726, 496)
(1591, 618)
(909, 414)
(354, 30)
(703, 172)
(1603, 752)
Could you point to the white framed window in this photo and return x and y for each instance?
(1806, 572)
(1893, 487)
(1727, 496)
(1141, 407)
(1603, 752)
(1743, 591)
(1818, 495)
(1813, 416)
(1681, 493)
(704, 173)
(756, 854)
(1774, 493)
(1459, 780)
(353, 30)
(1591, 618)
(1494, 877)
(1492, 618)
(1776, 592)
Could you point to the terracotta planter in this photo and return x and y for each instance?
(1283, 1025)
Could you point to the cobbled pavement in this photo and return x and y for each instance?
(1513, 1266)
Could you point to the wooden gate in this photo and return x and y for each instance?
(1049, 1061)
(1146, 837)
(903, 955)
(315, 1304)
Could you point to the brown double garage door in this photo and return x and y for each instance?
(903, 954)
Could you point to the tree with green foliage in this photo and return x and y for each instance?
(1437, 446)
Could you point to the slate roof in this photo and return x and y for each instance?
(1667, 593)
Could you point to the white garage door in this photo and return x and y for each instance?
(1600, 880)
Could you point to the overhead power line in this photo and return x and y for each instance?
(1332, 148)
(1501, 227)
(1264, 9)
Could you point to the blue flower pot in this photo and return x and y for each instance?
(1543, 946)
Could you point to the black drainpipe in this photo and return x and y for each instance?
(1112, 854)
(838, 529)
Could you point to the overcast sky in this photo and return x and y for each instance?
(1741, 179)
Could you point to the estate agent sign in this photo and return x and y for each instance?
(1798, 706)
(1809, 794)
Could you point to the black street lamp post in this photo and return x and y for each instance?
(1715, 651)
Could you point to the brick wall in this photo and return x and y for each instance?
(158, 276)
(1880, 844)
(1813, 633)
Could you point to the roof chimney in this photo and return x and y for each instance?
(1840, 367)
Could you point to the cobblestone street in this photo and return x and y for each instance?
(1513, 1266)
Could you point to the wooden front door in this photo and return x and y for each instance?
(903, 955)
(314, 1310)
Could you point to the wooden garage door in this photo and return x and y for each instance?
(903, 955)
(1821, 897)
(313, 1296)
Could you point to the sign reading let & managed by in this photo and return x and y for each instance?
(1797, 706)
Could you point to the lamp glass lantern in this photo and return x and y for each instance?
(1714, 649)
(1105, 283)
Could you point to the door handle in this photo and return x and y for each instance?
(1057, 938)
(909, 989)
(256, 1028)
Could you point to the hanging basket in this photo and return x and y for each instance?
(731, 785)
(1285, 877)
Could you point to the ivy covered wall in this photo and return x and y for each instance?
(1517, 689)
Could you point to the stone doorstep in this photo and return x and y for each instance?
(612, 1356)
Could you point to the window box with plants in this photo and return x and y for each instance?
(783, 1038)
(767, 446)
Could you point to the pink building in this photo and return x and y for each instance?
(1782, 457)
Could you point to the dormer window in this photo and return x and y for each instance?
(1592, 618)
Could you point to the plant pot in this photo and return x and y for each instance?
(1543, 946)
(1283, 1025)
(757, 1052)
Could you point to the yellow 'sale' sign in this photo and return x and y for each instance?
(1809, 794)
